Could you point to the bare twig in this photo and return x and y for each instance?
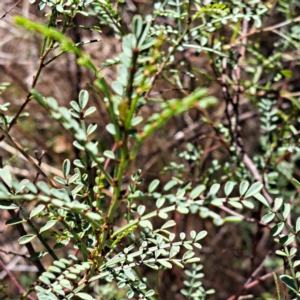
(14, 253)
(251, 278)
(14, 280)
(3, 16)
(32, 162)
(29, 246)
(234, 213)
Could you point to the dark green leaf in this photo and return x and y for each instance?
(288, 281)
(7, 205)
(277, 229)
(39, 255)
(14, 221)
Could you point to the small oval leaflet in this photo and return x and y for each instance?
(37, 210)
(130, 294)
(66, 283)
(6, 176)
(90, 111)
(248, 204)
(14, 221)
(193, 234)
(229, 187)
(268, 217)
(59, 264)
(129, 274)
(109, 154)
(170, 223)
(163, 215)
(141, 209)
(188, 255)
(170, 184)
(197, 191)
(7, 205)
(153, 185)
(160, 202)
(48, 225)
(254, 189)
(182, 235)
(26, 239)
(83, 98)
(183, 210)
(201, 235)
(165, 263)
(193, 260)
(136, 120)
(91, 128)
(111, 129)
(214, 189)
(44, 280)
(66, 167)
(137, 25)
(93, 216)
(286, 210)
(278, 203)
(31, 187)
(277, 229)
(244, 187)
(146, 223)
(298, 225)
(75, 105)
(262, 199)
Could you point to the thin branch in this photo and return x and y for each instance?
(29, 246)
(266, 29)
(8, 11)
(251, 278)
(14, 253)
(32, 162)
(14, 280)
(233, 213)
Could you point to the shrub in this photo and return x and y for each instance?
(121, 226)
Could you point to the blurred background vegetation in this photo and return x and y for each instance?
(262, 71)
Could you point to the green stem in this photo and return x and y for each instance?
(24, 296)
(291, 267)
(39, 236)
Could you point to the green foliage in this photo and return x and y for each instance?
(80, 209)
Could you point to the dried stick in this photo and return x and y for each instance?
(10, 9)
(14, 280)
(250, 279)
(29, 246)
(32, 162)
(14, 253)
